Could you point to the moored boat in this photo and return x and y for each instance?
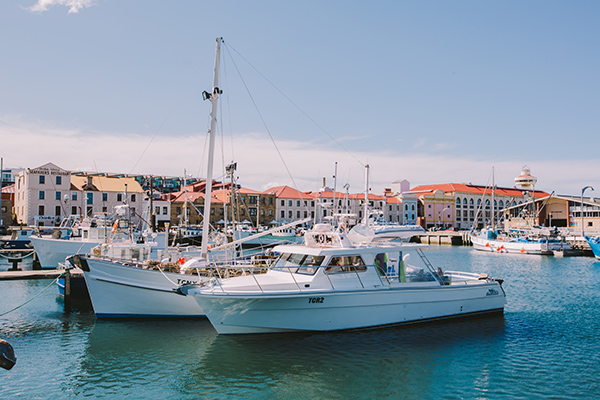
(332, 283)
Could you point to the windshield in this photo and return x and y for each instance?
(298, 263)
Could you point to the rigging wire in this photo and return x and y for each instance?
(295, 105)
(166, 117)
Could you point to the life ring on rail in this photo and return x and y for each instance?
(320, 238)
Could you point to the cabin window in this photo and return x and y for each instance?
(298, 263)
(345, 264)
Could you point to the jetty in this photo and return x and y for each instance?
(12, 275)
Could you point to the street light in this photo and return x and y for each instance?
(583, 190)
(441, 214)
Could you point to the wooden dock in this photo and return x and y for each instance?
(36, 274)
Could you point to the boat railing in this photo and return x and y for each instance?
(218, 274)
(466, 277)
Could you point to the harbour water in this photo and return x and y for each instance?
(545, 346)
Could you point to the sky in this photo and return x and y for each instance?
(427, 91)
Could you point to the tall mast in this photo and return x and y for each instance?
(493, 200)
(213, 97)
(334, 208)
(366, 216)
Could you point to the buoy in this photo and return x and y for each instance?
(523, 250)
(7, 355)
(487, 245)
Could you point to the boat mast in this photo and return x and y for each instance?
(334, 212)
(366, 216)
(213, 96)
(493, 201)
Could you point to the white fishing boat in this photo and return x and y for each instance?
(532, 241)
(334, 282)
(78, 237)
(383, 230)
(124, 281)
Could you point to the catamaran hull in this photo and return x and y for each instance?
(51, 252)
(118, 290)
(328, 311)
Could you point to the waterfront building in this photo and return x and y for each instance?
(464, 206)
(291, 204)
(46, 194)
(7, 213)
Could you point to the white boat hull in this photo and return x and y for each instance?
(118, 290)
(326, 311)
(51, 252)
(498, 246)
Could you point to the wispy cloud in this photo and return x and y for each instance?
(34, 143)
(73, 5)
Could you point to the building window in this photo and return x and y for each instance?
(282, 213)
(290, 214)
(41, 196)
(57, 196)
(133, 198)
(42, 179)
(297, 214)
(119, 197)
(297, 203)
(58, 180)
(104, 196)
(73, 195)
(57, 210)
(290, 203)
(40, 210)
(164, 210)
(282, 203)
(90, 198)
(73, 210)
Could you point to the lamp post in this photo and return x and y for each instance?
(583, 190)
(441, 214)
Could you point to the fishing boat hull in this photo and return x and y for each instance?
(542, 247)
(232, 313)
(51, 252)
(119, 290)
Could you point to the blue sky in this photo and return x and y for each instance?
(428, 91)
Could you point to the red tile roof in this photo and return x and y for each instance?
(472, 189)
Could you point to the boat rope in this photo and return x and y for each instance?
(18, 258)
(165, 275)
(30, 300)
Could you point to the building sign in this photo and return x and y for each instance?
(48, 171)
